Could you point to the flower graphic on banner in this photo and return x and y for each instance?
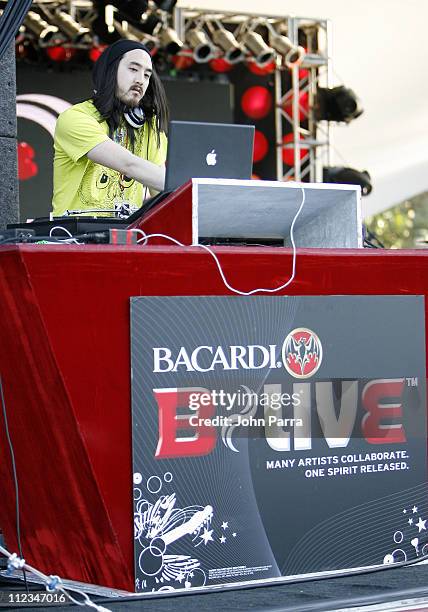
(414, 526)
(158, 525)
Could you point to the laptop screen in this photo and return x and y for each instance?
(208, 150)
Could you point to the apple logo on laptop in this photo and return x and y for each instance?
(212, 158)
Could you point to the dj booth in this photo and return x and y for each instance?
(116, 360)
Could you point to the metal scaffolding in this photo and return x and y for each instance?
(315, 138)
(315, 135)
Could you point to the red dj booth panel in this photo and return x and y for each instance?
(65, 367)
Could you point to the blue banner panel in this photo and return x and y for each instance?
(276, 437)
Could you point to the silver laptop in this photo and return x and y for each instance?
(208, 150)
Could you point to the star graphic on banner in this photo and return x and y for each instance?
(207, 536)
(404, 511)
(410, 521)
(180, 577)
(234, 534)
(222, 539)
(191, 574)
(414, 509)
(224, 525)
(420, 524)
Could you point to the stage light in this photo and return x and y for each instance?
(348, 176)
(203, 49)
(293, 54)
(263, 54)
(45, 32)
(233, 51)
(256, 102)
(127, 31)
(130, 32)
(337, 104)
(74, 30)
(168, 40)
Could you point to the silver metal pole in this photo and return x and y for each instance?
(278, 121)
(329, 54)
(296, 123)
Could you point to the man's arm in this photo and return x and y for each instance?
(116, 157)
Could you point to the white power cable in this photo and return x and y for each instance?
(146, 237)
(68, 240)
(140, 231)
(52, 583)
(59, 227)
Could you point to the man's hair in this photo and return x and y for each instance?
(154, 104)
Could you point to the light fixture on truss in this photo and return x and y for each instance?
(46, 33)
(76, 32)
(293, 54)
(201, 45)
(223, 38)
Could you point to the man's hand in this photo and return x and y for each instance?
(116, 157)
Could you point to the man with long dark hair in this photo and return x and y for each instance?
(110, 149)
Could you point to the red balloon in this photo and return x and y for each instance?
(288, 153)
(256, 102)
(60, 54)
(220, 65)
(27, 168)
(261, 70)
(181, 62)
(303, 74)
(261, 146)
(95, 52)
(303, 105)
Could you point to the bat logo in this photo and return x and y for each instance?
(302, 353)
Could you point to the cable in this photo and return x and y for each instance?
(140, 231)
(226, 283)
(15, 476)
(56, 227)
(52, 583)
(68, 241)
(33, 239)
(10, 22)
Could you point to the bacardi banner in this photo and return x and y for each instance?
(276, 437)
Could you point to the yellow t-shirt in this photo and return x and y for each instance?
(79, 183)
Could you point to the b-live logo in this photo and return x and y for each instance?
(381, 400)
